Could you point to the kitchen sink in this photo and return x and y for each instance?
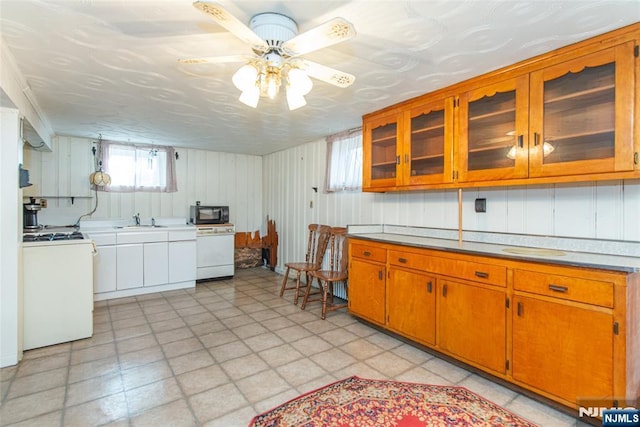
(534, 251)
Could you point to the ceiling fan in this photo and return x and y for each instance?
(277, 48)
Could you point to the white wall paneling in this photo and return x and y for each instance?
(589, 210)
(211, 177)
(631, 210)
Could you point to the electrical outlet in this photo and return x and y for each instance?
(481, 205)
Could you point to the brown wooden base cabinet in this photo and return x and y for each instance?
(565, 333)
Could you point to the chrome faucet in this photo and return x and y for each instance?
(137, 218)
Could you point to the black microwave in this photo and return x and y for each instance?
(209, 214)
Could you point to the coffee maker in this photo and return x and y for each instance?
(30, 214)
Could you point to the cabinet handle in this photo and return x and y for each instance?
(520, 141)
(397, 160)
(520, 310)
(366, 253)
(379, 274)
(558, 288)
(536, 138)
(402, 260)
(444, 290)
(429, 286)
(482, 274)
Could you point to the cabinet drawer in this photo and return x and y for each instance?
(462, 269)
(177, 235)
(367, 252)
(142, 237)
(103, 239)
(565, 287)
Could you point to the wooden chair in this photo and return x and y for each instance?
(316, 248)
(336, 273)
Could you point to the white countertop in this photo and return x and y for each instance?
(422, 238)
(126, 225)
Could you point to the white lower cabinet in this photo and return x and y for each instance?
(130, 266)
(136, 262)
(156, 263)
(182, 261)
(104, 272)
(104, 267)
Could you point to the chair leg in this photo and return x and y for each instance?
(295, 298)
(325, 291)
(284, 282)
(307, 292)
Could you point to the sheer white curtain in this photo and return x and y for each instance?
(344, 161)
(139, 167)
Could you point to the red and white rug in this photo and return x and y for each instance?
(359, 402)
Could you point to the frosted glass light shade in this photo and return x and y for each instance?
(295, 100)
(245, 77)
(250, 96)
(299, 82)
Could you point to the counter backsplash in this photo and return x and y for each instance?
(596, 246)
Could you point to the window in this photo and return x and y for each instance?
(344, 161)
(139, 168)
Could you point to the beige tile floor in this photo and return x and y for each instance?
(217, 356)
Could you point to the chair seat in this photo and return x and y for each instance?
(330, 276)
(302, 266)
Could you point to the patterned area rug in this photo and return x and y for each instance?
(361, 402)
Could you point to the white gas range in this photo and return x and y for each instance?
(215, 250)
(58, 286)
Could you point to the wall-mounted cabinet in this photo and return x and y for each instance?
(565, 116)
(382, 155)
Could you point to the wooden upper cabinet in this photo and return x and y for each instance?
(493, 131)
(428, 149)
(564, 116)
(381, 141)
(582, 115)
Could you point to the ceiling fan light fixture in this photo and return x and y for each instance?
(250, 96)
(295, 100)
(245, 77)
(299, 81)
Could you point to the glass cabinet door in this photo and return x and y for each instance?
(494, 131)
(430, 155)
(381, 152)
(581, 115)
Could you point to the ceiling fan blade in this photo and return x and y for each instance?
(232, 24)
(332, 32)
(214, 59)
(326, 74)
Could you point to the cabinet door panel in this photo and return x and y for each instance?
(381, 147)
(428, 157)
(367, 290)
(411, 305)
(104, 273)
(494, 131)
(564, 350)
(581, 115)
(182, 261)
(472, 323)
(130, 272)
(156, 260)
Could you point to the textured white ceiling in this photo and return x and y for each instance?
(109, 66)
